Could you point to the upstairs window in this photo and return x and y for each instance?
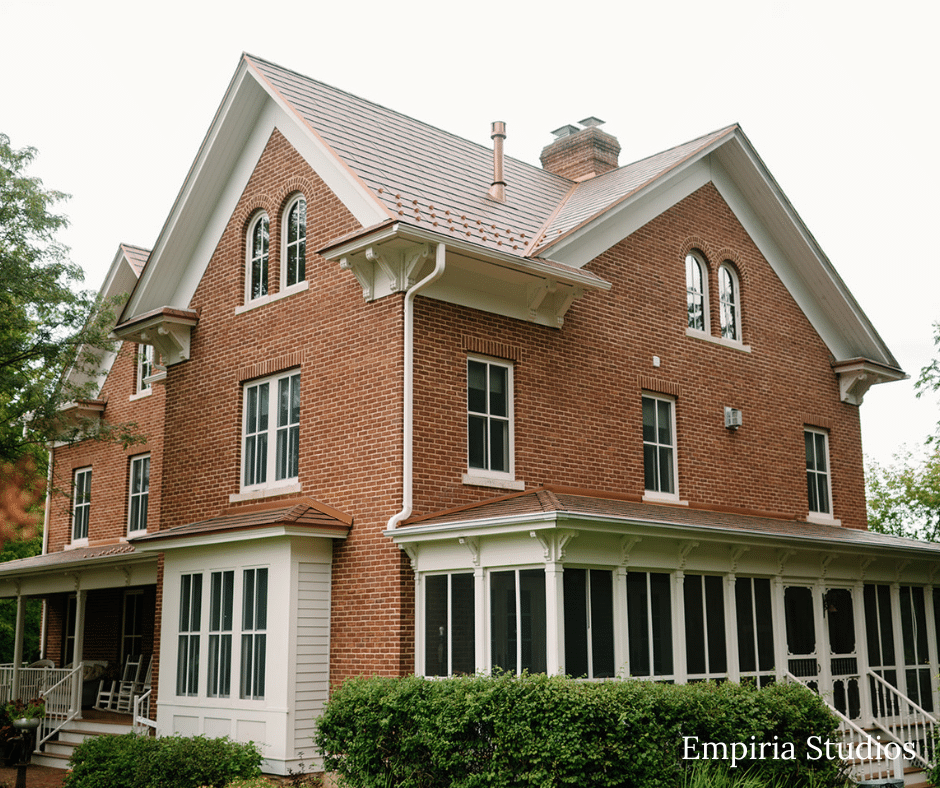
(659, 445)
(139, 493)
(144, 367)
(817, 471)
(271, 432)
(295, 243)
(489, 417)
(729, 300)
(257, 273)
(81, 503)
(695, 289)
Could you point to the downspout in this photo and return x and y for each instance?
(407, 452)
(45, 546)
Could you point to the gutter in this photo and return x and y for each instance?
(407, 459)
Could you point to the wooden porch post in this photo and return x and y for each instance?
(621, 644)
(554, 619)
(780, 629)
(731, 629)
(481, 624)
(899, 639)
(79, 632)
(18, 646)
(680, 666)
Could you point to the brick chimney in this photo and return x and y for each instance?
(583, 153)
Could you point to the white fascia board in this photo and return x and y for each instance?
(804, 270)
(249, 113)
(627, 217)
(228, 537)
(628, 526)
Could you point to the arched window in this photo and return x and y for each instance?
(729, 298)
(258, 242)
(695, 284)
(295, 242)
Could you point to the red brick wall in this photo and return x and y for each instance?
(349, 356)
(578, 417)
(109, 461)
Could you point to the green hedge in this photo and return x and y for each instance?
(132, 761)
(552, 731)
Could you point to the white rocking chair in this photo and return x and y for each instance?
(111, 693)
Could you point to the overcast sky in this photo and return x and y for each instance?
(840, 100)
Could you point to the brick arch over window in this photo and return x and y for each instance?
(291, 188)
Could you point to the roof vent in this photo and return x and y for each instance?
(581, 153)
(498, 188)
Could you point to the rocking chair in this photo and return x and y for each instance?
(110, 693)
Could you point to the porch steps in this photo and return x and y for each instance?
(58, 751)
(914, 775)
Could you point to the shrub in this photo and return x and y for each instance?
(552, 731)
(132, 761)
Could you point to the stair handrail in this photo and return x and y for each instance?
(60, 705)
(142, 719)
(926, 726)
(873, 771)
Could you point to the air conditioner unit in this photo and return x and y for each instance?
(733, 418)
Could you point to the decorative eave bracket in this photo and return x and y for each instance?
(168, 330)
(856, 376)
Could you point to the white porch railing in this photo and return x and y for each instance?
(63, 703)
(861, 768)
(902, 720)
(142, 720)
(33, 682)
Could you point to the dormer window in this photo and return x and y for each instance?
(295, 243)
(695, 288)
(730, 303)
(258, 244)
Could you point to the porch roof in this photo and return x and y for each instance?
(299, 516)
(556, 502)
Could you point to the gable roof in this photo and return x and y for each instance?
(406, 176)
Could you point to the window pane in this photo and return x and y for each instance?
(435, 625)
(602, 623)
(462, 616)
(498, 391)
(664, 422)
(649, 419)
(637, 623)
(532, 616)
(801, 633)
(499, 445)
(476, 387)
(576, 622)
(666, 481)
(661, 613)
(715, 618)
(261, 599)
(744, 610)
(765, 624)
(694, 624)
(476, 441)
(503, 620)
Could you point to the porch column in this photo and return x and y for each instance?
(861, 652)
(679, 663)
(79, 632)
(554, 618)
(419, 625)
(731, 628)
(931, 643)
(621, 644)
(481, 619)
(780, 629)
(18, 646)
(899, 657)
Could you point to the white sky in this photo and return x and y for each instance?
(840, 99)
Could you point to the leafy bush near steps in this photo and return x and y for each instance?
(502, 731)
(132, 761)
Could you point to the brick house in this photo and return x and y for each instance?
(421, 407)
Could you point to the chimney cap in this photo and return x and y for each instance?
(591, 122)
(565, 131)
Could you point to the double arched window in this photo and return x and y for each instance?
(697, 297)
(293, 253)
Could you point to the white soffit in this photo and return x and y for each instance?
(233, 145)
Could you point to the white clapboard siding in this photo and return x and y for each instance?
(312, 681)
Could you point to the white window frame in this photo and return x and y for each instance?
(141, 497)
(254, 632)
(709, 633)
(144, 356)
(694, 257)
(81, 506)
(448, 633)
(263, 256)
(646, 610)
(730, 306)
(287, 246)
(674, 446)
(271, 481)
(220, 631)
(826, 514)
(486, 476)
(189, 628)
(589, 621)
(517, 616)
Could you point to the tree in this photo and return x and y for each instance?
(904, 497)
(52, 334)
